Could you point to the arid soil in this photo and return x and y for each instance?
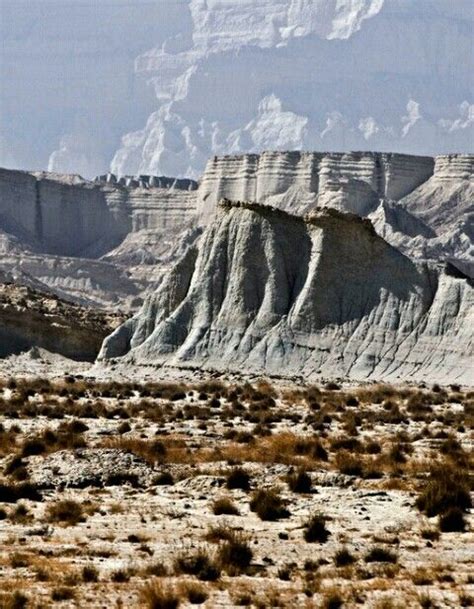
(224, 494)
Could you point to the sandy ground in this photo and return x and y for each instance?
(103, 447)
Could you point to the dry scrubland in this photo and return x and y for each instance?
(170, 495)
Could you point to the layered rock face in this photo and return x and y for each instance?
(105, 243)
(436, 220)
(92, 241)
(297, 181)
(422, 205)
(265, 291)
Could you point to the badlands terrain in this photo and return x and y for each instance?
(251, 390)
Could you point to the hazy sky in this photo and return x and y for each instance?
(158, 86)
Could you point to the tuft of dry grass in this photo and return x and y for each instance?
(157, 594)
(66, 512)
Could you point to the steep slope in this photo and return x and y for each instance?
(445, 204)
(98, 242)
(107, 242)
(265, 291)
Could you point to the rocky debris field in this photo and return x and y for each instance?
(225, 494)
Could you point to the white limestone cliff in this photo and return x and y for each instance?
(267, 292)
(108, 242)
(99, 243)
(423, 206)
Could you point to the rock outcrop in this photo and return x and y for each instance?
(106, 243)
(30, 318)
(297, 181)
(266, 291)
(93, 242)
(422, 205)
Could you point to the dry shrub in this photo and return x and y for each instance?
(225, 506)
(66, 511)
(447, 487)
(283, 447)
(380, 554)
(194, 592)
(13, 600)
(90, 574)
(343, 558)
(238, 478)
(268, 505)
(221, 532)
(63, 593)
(165, 449)
(422, 577)
(235, 554)
(11, 493)
(198, 563)
(349, 464)
(375, 394)
(315, 529)
(157, 594)
(452, 521)
(299, 482)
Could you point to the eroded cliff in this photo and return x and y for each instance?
(266, 291)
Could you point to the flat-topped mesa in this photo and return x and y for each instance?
(67, 215)
(148, 182)
(317, 216)
(298, 180)
(264, 291)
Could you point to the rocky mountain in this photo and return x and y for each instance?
(30, 318)
(266, 291)
(157, 88)
(106, 243)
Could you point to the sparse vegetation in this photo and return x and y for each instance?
(380, 554)
(447, 487)
(343, 558)
(268, 505)
(195, 448)
(235, 554)
(225, 505)
(238, 479)
(156, 594)
(66, 511)
(197, 563)
(299, 482)
(315, 529)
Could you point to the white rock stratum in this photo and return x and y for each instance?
(98, 243)
(423, 206)
(268, 292)
(106, 243)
